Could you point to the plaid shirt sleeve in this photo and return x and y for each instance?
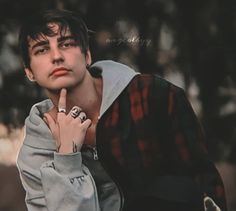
(188, 137)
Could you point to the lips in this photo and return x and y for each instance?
(59, 71)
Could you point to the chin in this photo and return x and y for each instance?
(57, 88)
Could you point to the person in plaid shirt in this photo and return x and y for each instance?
(107, 138)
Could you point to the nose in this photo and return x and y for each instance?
(56, 56)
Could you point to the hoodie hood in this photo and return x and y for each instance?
(115, 76)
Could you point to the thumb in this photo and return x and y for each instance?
(51, 124)
(49, 120)
(53, 128)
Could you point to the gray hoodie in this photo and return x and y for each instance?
(69, 182)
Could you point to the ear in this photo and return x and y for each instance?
(29, 74)
(88, 58)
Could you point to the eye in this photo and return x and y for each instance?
(68, 44)
(41, 51)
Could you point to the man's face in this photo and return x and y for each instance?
(57, 62)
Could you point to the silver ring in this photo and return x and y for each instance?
(75, 111)
(82, 116)
(61, 110)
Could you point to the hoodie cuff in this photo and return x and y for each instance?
(68, 163)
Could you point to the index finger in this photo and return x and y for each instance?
(62, 99)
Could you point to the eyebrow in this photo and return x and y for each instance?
(46, 42)
(40, 43)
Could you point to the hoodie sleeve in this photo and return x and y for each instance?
(56, 182)
(189, 141)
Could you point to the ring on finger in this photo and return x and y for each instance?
(82, 116)
(75, 111)
(61, 110)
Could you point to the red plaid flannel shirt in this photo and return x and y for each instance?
(151, 144)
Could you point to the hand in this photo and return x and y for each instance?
(68, 132)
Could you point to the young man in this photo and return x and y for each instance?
(107, 138)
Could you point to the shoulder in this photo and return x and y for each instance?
(155, 92)
(37, 133)
(154, 83)
(41, 107)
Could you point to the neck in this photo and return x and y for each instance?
(87, 95)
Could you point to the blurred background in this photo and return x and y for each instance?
(190, 43)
